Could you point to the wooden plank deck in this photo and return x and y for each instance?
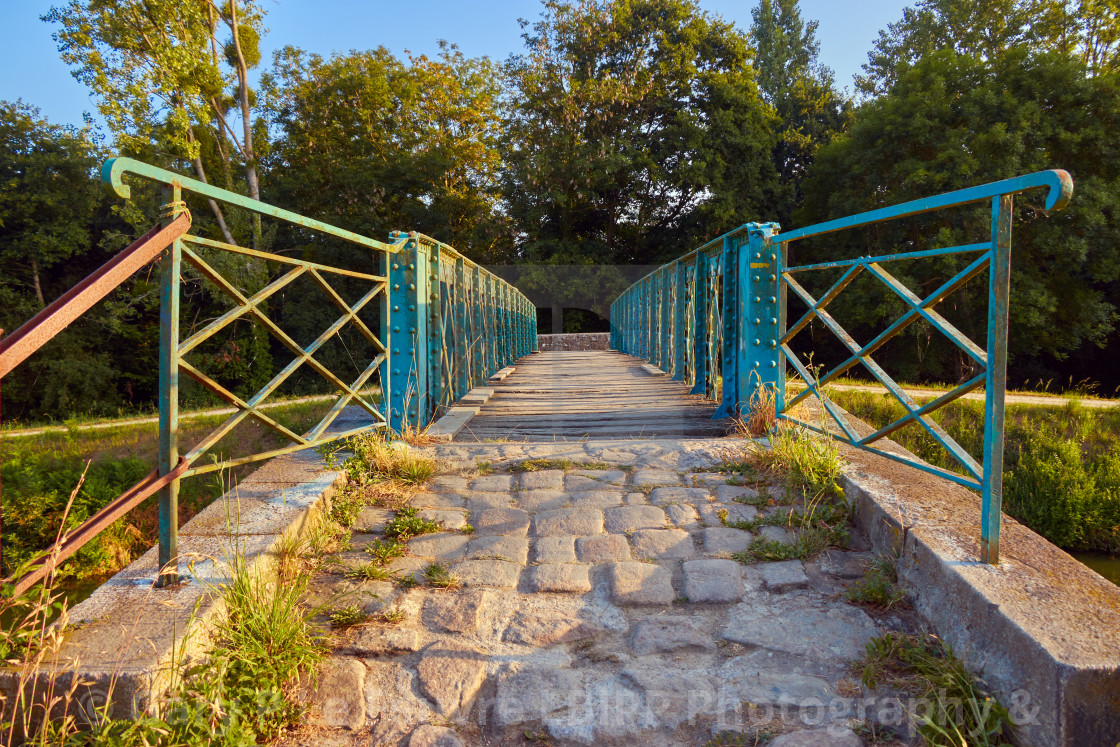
(573, 395)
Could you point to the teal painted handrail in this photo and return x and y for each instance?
(737, 337)
(445, 325)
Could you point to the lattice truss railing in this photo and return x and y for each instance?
(254, 308)
(733, 338)
(989, 360)
(673, 318)
(919, 309)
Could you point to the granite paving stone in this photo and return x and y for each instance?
(604, 548)
(776, 534)
(453, 613)
(442, 546)
(498, 574)
(784, 575)
(728, 493)
(438, 500)
(682, 515)
(480, 501)
(450, 675)
(640, 583)
(492, 483)
(559, 577)
(448, 518)
(662, 544)
(835, 632)
(652, 477)
(545, 479)
(669, 633)
(597, 499)
(542, 500)
(499, 547)
(449, 483)
(665, 496)
(719, 540)
(513, 522)
(608, 476)
(630, 518)
(561, 549)
(712, 581)
(568, 522)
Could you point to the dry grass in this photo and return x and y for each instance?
(759, 417)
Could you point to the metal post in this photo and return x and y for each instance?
(404, 377)
(999, 291)
(384, 263)
(665, 352)
(680, 335)
(460, 363)
(783, 262)
(758, 304)
(729, 357)
(169, 393)
(477, 353)
(700, 325)
(488, 328)
(433, 339)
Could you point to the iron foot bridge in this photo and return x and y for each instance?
(436, 325)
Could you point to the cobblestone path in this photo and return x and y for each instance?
(597, 606)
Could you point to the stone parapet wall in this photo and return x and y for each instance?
(575, 341)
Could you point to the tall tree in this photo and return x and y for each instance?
(635, 129)
(376, 143)
(166, 84)
(1086, 29)
(802, 91)
(953, 120)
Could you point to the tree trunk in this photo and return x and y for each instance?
(214, 206)
(557, 318)
(38, 287)
(250, 158)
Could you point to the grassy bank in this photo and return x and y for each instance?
(39, 472)
(1062, 464)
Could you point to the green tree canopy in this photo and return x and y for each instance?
(954, 120)
(1087, 29)
(635, 129)
(802, 91)
(374, 143)
(168, 85)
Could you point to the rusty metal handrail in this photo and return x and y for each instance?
(62, 312)
(446, 324)
(57, 316)
(72, 541)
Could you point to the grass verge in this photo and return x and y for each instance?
(953, 708)
(1062, 464)
(38, 472)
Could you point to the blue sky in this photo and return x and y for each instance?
(30, 68)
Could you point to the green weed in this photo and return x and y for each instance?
(440, 577)
(349, 616)
(383, 552)
(961, 713)
(406, 524)
(407, 582)
(374, 459)
(369, 572)
(879, 585)
(534, 465)
(238, 695)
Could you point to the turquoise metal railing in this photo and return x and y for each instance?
(717, 316)
(444, 325)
